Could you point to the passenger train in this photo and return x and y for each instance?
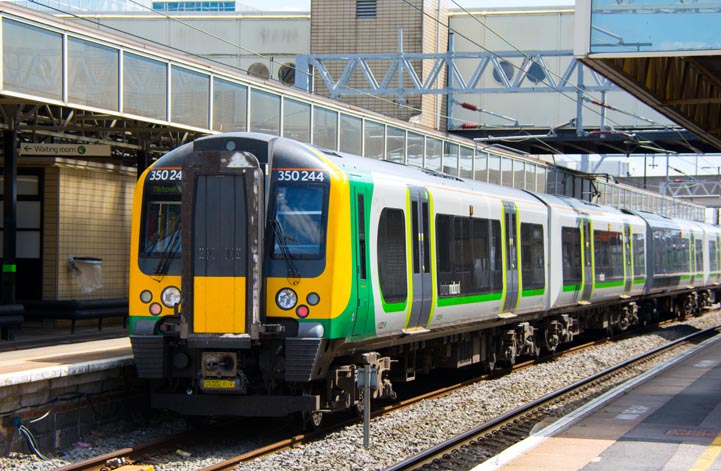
(265, 272)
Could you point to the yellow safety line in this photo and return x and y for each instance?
(707, 458)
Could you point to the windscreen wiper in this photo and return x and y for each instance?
(171, 250)
(293, 273)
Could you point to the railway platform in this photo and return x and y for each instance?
(63, 388)
(667, 419)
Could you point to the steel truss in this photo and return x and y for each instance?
(401, 76)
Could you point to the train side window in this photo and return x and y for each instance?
(532, 256)
(571, 248)
(639, 255)
(713, 261)
(443, 248)
(462, 243)
(660, 253)
(608, 255)
(699, 255)
(392, 255)
(480, 246)
(684, 261)
(495, 256)
(466, 249)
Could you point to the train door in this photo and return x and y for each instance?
(421, 242)
(512, 258)
(221, 279)
(586, 240)
(361, 260)
(627, 258)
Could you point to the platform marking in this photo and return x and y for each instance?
(632, 413)
(515, 451)
(707, 458)
(705, 364)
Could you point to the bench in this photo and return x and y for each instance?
(75, 310)
(11, 316)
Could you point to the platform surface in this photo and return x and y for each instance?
(36, 364)
(668, 419)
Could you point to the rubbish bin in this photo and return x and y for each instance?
(88, 272)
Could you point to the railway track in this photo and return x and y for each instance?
(495, 435)
(475, 446)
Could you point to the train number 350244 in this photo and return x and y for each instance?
(166, 174)
(300, 176)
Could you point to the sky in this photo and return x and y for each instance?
(304, 5)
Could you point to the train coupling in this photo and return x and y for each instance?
(220, 373)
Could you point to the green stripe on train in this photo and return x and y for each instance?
(609, 284)
(468, 299)
(533, 292)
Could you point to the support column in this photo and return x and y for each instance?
(143, 161)
(10, 172)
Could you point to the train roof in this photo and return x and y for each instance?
(421, 176)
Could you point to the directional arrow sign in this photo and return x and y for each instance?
(66, 150)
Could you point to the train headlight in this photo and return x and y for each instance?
(146, 296)
(286, 299)
(170, 296)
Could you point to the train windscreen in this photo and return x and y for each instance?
(160, 232)
(298, 223)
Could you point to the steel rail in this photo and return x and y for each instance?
(137, 453)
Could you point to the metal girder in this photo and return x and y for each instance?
(692, 189)
(401, 75)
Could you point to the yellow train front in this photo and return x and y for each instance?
(238, 276)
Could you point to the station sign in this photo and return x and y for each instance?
(65, 150)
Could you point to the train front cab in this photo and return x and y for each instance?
(214, 353)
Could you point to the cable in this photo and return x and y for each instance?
(29, 438)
